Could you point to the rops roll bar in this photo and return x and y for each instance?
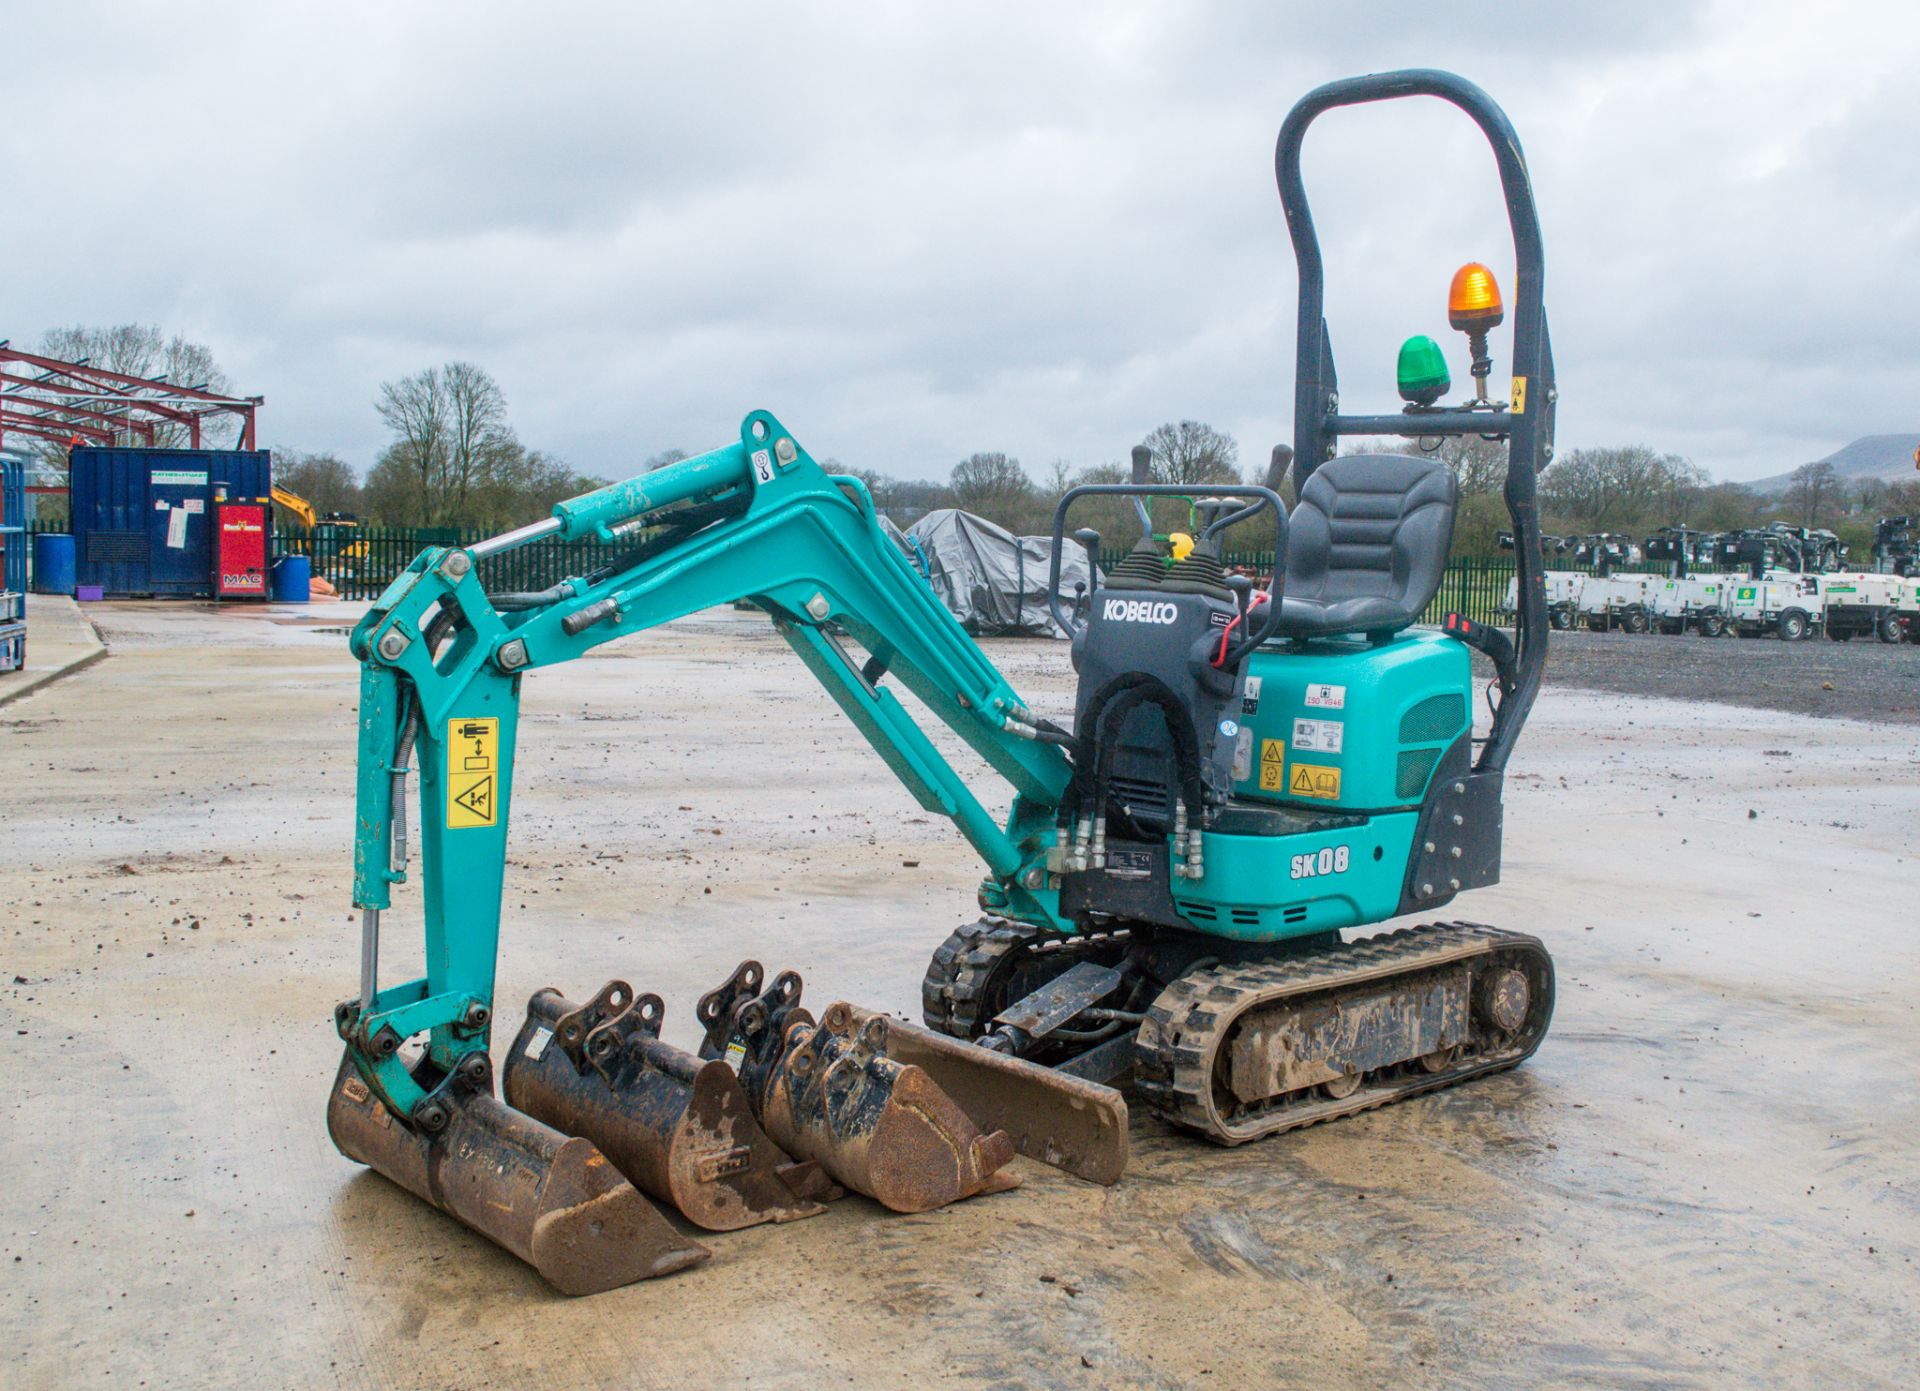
(1526, 422)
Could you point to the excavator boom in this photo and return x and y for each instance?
(442, 662)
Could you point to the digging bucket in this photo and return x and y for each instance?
(677, 1125)
(551, 1199)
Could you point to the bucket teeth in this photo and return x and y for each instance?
(828, 1092)
(551, 1199)
(881, 1127)
(677, 1125)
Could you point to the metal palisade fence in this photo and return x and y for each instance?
(361, 561)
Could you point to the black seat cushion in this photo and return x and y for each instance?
(1367, 545)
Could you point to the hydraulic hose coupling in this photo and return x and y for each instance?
(1099, 847)
(1180, 841)
(1081, 854)
(576, 623)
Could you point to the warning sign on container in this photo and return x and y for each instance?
(1273, 763)
(473, 765)
(1314, 780)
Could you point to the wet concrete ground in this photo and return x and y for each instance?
(1706, 1177)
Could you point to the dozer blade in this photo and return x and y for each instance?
(1065, 1121)
(677, 1126)
(551, 1199)
(829, 1092)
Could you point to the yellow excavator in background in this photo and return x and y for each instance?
(332, 542)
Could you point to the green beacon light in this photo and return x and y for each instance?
(1423, 371)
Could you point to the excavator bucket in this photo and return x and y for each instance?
(828, 1092)
(1069, 1122)
(551, 1199)
(677, 1125)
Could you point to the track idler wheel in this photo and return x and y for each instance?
(678, 1126)
(828, 1092)
(551, 1199)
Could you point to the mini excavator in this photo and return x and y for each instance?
(1250, 773)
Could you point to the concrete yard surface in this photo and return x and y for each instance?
(60, 641)
(1709, 1175)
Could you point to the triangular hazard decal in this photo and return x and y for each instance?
(478, 799)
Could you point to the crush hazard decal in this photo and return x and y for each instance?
(1273, 765)
(473, 770)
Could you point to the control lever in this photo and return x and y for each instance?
(1278, 465)
(1089, 540)
(1212, 510)
(1242, 588)
(1142, 473)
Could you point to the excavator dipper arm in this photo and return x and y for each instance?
(441, 670)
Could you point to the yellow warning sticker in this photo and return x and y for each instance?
(1314, 780)
(473, 770)
(1273, 759)
(1519, 405)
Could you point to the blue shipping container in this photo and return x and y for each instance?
(143, 518)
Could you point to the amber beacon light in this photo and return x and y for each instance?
(1473, 307)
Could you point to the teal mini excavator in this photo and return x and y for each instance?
(1251, 772)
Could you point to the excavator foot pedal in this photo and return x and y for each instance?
(551, 1199)
(827, 1091)
(677, 1125)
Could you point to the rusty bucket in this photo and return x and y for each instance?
(878, 1126)
(828, 1092)
(677, 1125)
(551, 1199)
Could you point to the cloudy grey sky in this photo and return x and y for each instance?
(914, 231)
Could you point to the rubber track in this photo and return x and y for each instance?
(962, 966)
(1190, 1021)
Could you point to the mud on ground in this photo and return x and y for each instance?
(1708, 1176)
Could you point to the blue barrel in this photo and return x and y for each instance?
(52, 563)
(292, 579)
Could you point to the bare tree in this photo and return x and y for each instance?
(995, 486)
(1614, 489)
(663, 458)
(1725, 507)
(415, 409)
(326, 481)
(1812, 489)
(1190, 452)
(454, 459)
(143, 350)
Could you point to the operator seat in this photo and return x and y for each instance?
(1367, 546)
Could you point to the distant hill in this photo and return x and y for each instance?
(1871, 456)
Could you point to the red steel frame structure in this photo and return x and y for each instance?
(75, 402)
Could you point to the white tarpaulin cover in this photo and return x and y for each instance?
(994, 582)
